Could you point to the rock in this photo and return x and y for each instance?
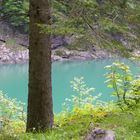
(17, 54)
(61, 41)
(56, 58)
(9, 55)
(11, 38)
(66, 54)
(100, 134)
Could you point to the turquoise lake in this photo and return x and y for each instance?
(14, 79)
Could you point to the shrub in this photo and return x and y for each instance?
(83, 98)
(121, 80)
(135, 91)
(11, 114)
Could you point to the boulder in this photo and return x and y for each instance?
(100, 134)
(56, 58)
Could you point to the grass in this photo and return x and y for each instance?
(76, 126)
(126, 125)
(13, 46)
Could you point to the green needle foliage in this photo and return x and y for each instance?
(106, 23)
(15, 12)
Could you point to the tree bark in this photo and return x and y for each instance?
(40, 106)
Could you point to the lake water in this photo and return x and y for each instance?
(14, 79)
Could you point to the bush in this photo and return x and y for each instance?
(121, 80)
(11, 114)
(83, 98)
(135, 91)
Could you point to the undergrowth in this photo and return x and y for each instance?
(74, 126)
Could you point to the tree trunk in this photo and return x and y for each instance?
(40, 106)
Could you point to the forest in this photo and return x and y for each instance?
(69, 70)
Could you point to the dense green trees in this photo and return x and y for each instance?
(113, 25)
(108, 24)
(15, 12)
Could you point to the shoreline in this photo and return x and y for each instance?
(20, 55)
(55, 59)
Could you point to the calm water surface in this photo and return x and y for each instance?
(14, 79)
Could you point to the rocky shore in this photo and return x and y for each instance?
(14, 48)
(62, 54)
(11, 55)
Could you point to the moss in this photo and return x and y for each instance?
(59, 52)
(13, 46)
